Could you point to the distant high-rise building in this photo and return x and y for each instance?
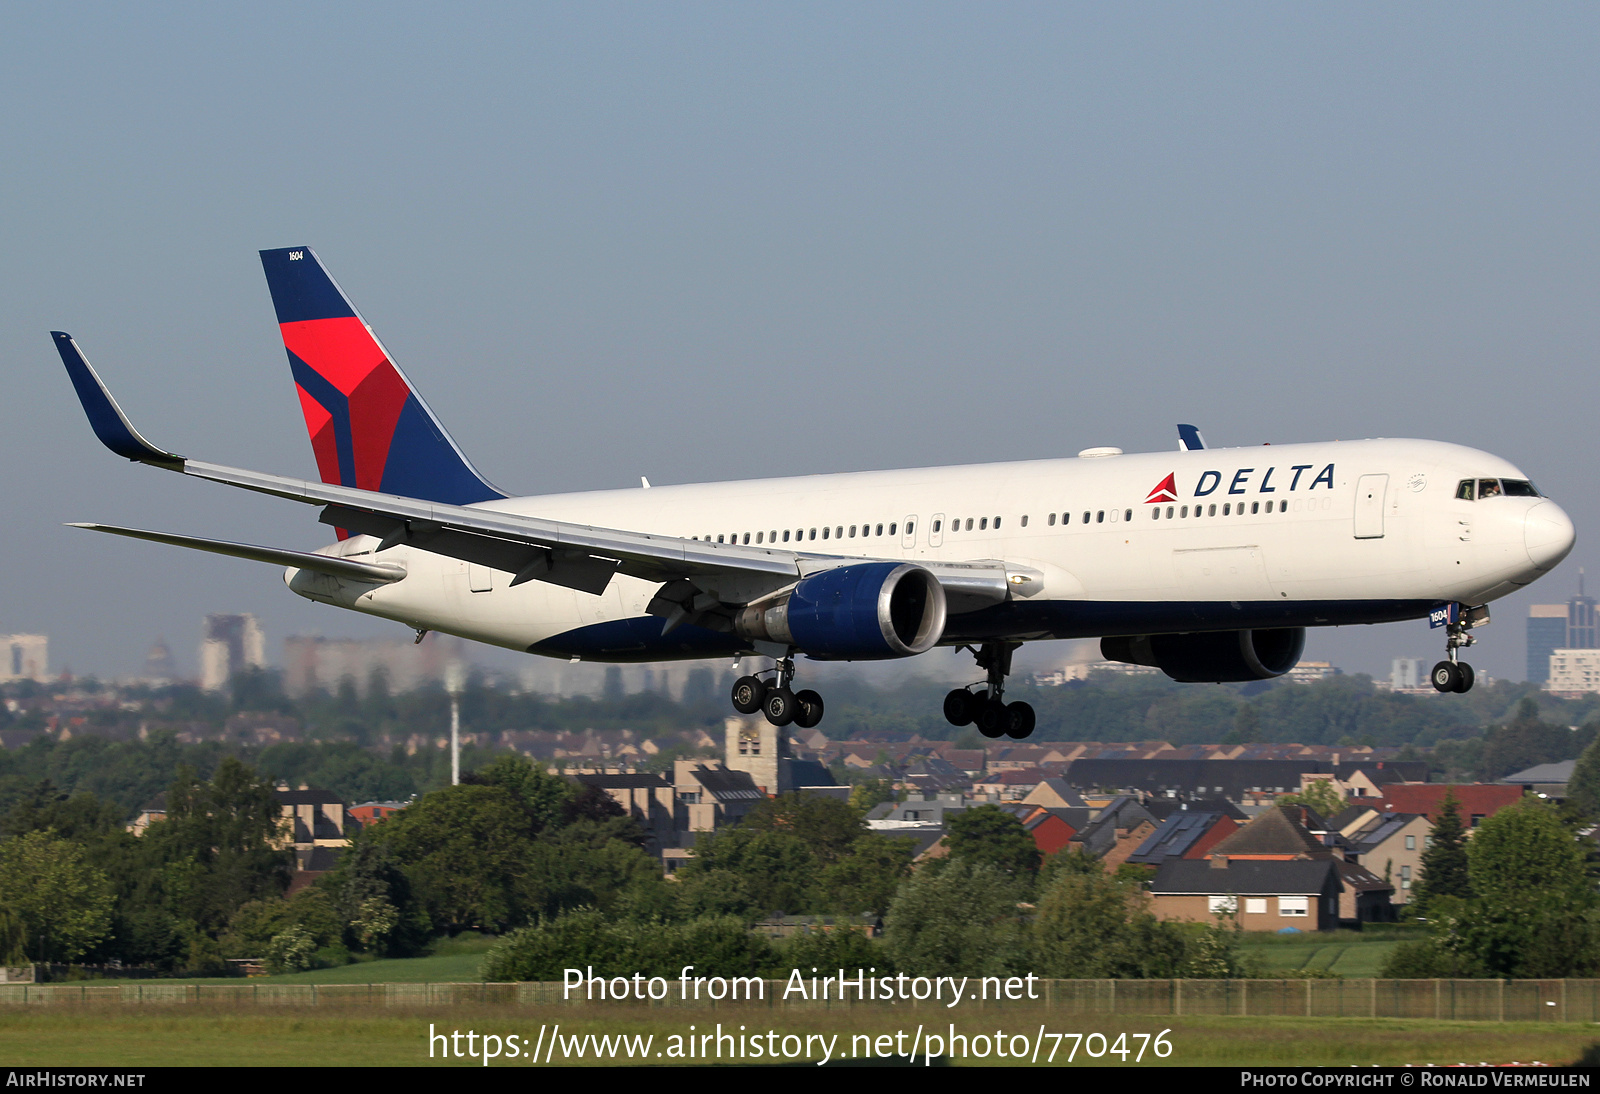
(1551, 627)
(24, 657)
(1581, 633)
(1407, 673)
(229, 644)
(311, 662)
(159, 665)
(1547, 632)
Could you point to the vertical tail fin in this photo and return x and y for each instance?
(369, 427)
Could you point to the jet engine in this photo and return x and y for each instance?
(1212, 657)
(867, 612)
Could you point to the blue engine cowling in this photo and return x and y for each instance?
(866, 612)
(1212, 658)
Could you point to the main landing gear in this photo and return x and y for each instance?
(1455, 674)
(988, 709)
(775, 699)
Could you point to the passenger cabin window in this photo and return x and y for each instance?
(982, 524)
(1024, 521)
(1051, 520)
(935, 525)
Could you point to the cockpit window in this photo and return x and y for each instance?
(1496, 488)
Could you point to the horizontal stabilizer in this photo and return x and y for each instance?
(381, 573)
(105, 416)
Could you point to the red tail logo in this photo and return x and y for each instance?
(1166, 491)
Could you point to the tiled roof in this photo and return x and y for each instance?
(1476, 799)
(1543, 773)
(728, 785)
(1274, 832)
(1294, 877)
(1177, 834)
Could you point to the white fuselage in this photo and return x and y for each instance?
(1292, 535)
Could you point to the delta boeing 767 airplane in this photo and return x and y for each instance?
(1206, 563)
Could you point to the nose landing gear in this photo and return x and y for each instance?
(775, 699)
(993, 716)
(1455, 674)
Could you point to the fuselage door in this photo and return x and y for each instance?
(936, 530)
(1369, 506)
(908, 534)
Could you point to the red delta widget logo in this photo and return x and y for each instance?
(1243, 482)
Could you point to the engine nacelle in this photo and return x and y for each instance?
(867, 612)
(1212, 657)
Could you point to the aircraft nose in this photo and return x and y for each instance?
(1548, 533)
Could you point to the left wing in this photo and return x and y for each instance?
(576, 556)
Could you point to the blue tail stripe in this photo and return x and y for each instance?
(336, 403)
(423, 464)
(301, 289)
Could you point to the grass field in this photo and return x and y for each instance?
(453, 961)
(327, 1036)
(1344, 953)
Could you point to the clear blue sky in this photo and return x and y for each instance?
(709, 241)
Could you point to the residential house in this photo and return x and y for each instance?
(1390, 845)
(1116, 831)
(1475, 801)
(649, 799)
(1273, 872)
(1187, 834)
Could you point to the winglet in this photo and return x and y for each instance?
(110, 424)
(1189, 439)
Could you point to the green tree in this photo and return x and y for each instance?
(1532, 916)
(959, 921)
(871, 792)
(988, 835)
(1095, 925)
(797, 853)
(464, 850)
(63, 902)
(1524, 741)
(1320, 795)
(1444, 863)
(1583, 790)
